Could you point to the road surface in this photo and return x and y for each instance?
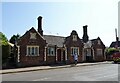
(101, 72)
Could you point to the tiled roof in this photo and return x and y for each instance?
(93, 40)
(113, 44)
(54, 40)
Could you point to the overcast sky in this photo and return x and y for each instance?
(60, 18)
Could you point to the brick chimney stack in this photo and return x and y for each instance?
(40, 25)
(85, 35)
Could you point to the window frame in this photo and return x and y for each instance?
(51, 51)
(18, 57)
(99, 52)
(73, 49)
(31, 50)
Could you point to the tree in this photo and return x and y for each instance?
(14, 38)
(109, 52)
(5, 47)
(3, 39)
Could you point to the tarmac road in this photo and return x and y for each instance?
(101, 72)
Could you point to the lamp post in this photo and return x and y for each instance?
(117, 39)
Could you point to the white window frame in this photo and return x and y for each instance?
(51, 51)
(74, 37)
(99, 52)
(34, 53)
(73, 49)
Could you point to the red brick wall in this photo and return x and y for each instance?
(51, 59)
(97, 46)
(31, 60)
(26, 41)
(70, 43)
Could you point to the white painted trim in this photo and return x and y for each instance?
(66, 54)
(61, 54)
(45, 52)
(56, 54)
(51, 54)
(18, 56)
(93, 51)
(83, 55)
(74, 48)
(31, 49)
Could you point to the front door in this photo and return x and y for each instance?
(59, 55)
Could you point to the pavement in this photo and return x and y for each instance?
(27, 69)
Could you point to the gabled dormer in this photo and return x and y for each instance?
(74, 35)
(97, 42)
(32, 37)
(73, 39)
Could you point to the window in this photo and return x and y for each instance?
(32, 50)
(88, 52)
(74, 37)
(51, 51)
(32, 35)
(36, 50)
(74, 50)
(99, 52)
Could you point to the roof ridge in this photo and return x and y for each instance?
(54, 36)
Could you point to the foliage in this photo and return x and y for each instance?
(5, 47)
(3, 39)
(5, 53)
(110, 51)
(14, 38)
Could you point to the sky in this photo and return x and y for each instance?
(61, 17)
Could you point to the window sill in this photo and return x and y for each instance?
(32, 55)
(50, 55)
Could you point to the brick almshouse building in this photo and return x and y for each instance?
(35, 48)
